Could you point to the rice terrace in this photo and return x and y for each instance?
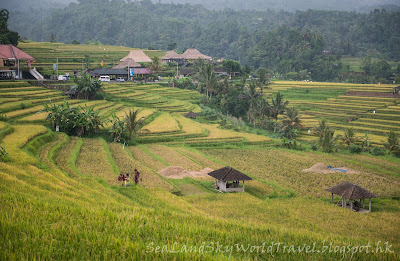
(109, 152)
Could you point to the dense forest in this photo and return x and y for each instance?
(279, 40)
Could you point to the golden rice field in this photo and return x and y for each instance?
(61, 200)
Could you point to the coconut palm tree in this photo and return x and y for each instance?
(393, 142)
(277, 107)
(208, 78)
(291, 122)
(132, 122)
(349, 137)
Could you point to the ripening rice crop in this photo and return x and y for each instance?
(3, 125)
(162, 124)
(199, 158)
(284, 168)
(173, 158)
(64, 159)
(14, 142)
(93, 161)
(189, 126)
(140, 155)
(126, 163)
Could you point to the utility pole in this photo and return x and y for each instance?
(57, 68)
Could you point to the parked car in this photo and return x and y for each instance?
(105, 78)
(120, 79)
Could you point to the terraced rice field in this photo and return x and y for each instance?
(64, 190)
(373, 115)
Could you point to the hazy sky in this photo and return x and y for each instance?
(289, 5)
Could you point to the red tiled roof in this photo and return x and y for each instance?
(9, 51)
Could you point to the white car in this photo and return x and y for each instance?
(105, 78)
(120, 79)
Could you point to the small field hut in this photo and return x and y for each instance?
(191, 115)
(396, 90)
(352, 193)
(228, 179)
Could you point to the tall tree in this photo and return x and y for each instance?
(277, 107)
(208, 78)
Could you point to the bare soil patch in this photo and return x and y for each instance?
(322, 168)
(177, 172)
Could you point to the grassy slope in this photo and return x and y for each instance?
(60, 200)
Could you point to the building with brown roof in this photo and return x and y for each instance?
(352, 192)
(192, 54)
(128, 63)
(172, 56)
(138, 56)
(227, 179)
(10, 57)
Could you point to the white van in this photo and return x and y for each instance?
(105, 78)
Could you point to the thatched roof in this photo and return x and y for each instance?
(228, 174)
(129, 62)
(191, 114)
(194, 54)
(351, 191)
(9, 51)
(138, 56)
(172, 55)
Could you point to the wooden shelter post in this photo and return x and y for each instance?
(351, 204)
(369, 204)
(332, 198)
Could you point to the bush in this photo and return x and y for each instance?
(377, 151)
(314, 146)
(355, 149)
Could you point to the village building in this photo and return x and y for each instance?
(396, 90)
(128, 63)
(192, 55)
(113, 73)
(140, 72)
(228, 179)
(172, 56)
(138, 56)
(352, 192)
(10, 63)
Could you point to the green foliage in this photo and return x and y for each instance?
(291, 144)
(231, 66)
(86, 87)
(74, 120)
(6, 35)
(356, 149)
(378, 151)
(3, 153)
(118, 127)
(349, 137)
(392, 144)
(132, 122)
(326, 137)
(291, 124)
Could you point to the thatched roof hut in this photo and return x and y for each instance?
(138, 56)
(352, 192)
(191, 115)
(227, 179)
(172, 55)
(128, 63)
(194, 54)
(396, 90)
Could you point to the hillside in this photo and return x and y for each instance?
(61, 199)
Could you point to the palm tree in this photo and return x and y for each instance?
(155, 64)
(132, 122)
(349, 137)
(320, 130)
(329, 141)
(277, 107)
(393, 142)
(291, 122)
(208, 78)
